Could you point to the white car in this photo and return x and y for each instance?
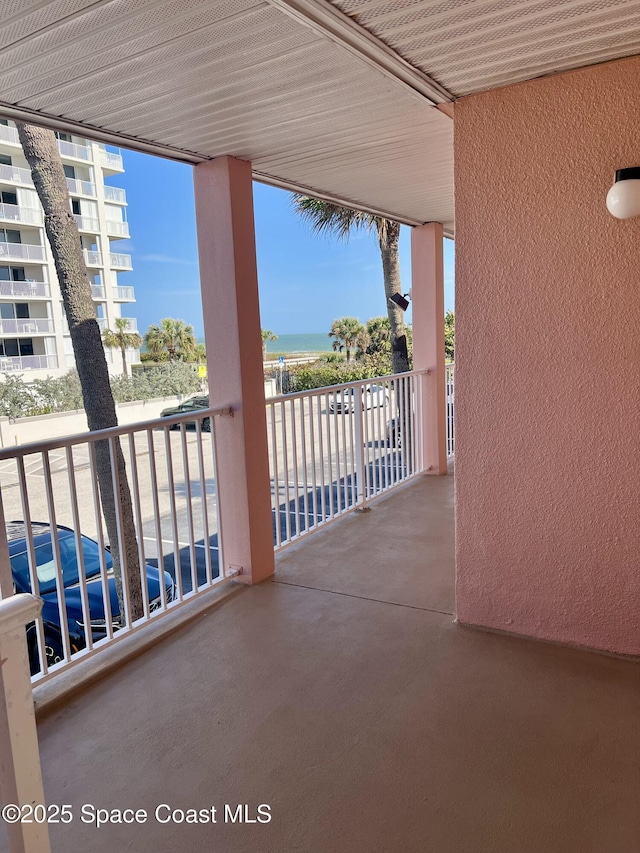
(345, 401)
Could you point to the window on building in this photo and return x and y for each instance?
(22, 310)
(8, 197)
(9, 347)
(9, 311)
(5, 159)
(10, 235)
(4, 122)
(69, 171)
(12, 274)
(75, 206)
(25, 346)
(63, 137)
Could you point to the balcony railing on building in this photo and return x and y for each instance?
(22, 251)
(91, 258)
(19, 213)
(110, 160)
(26, 326)
(120, 261)
(28, 362)
(123, 293)
(29, 289)
(98, 291)
(115, 194)
(87, 223)
(15, 174)
(78, 187)
(331, 451)
(9, 134)
(72, 149)
(117, 228)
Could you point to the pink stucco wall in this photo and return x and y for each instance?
(548, 360)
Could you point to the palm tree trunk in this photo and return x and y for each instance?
(41, 151)
(392, 284)
(124, 360)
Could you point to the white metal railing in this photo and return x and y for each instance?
(27, 362)
(118, 227)
(58, 542)
(449, 374)
(24, 288)
(19, 213)
(115, 194)
(98, 291)
(91, 258)
(111, 160)
(9, 134)
(22, 251)
(118, 260)
(124, 293)
(331, 450)
(26, 326)
(71, 149)
(87, 223)
(78, 187)
(15, 174)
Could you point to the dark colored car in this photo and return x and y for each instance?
(45, 568)
(190, 405)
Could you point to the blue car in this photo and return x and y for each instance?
(45, 567)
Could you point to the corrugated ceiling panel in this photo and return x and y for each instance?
(240, 77)
(472, 45)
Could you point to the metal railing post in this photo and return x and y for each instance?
(21, 776)
(361, 494)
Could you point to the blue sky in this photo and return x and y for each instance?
(306, 281)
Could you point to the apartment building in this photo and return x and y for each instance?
(34, 335)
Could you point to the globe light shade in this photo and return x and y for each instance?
(623, 199)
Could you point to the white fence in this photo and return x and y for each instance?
(449, 374)
(333, 449)
(58, 535)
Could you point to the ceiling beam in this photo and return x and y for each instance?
(330, 22)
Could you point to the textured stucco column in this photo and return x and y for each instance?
(229, 281)
(427, 298)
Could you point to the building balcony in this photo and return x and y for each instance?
(28, 362)
(28, 289)
(115, 194)
(120, 261)
(78, 187)
(16, 213)
(22, 251)
(9, 134)
(91, 258)
(74, 151)
(123, 294)
(15, 174)
(98, 291)
(110, 161)
(26, 326)
(87, 223)
(117, 228)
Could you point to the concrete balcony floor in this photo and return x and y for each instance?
(343, 695)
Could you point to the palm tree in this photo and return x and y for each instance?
(41, 151)
(267, 335)
(348, 334)
(173, 337)
(122, 339)
(327, 218)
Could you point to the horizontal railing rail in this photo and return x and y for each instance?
(53, 502)
(331, 450)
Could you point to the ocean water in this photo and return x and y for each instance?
(316, 342)
(320, 342)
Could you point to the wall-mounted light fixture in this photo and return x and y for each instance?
(623, 199)
(401, 301)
